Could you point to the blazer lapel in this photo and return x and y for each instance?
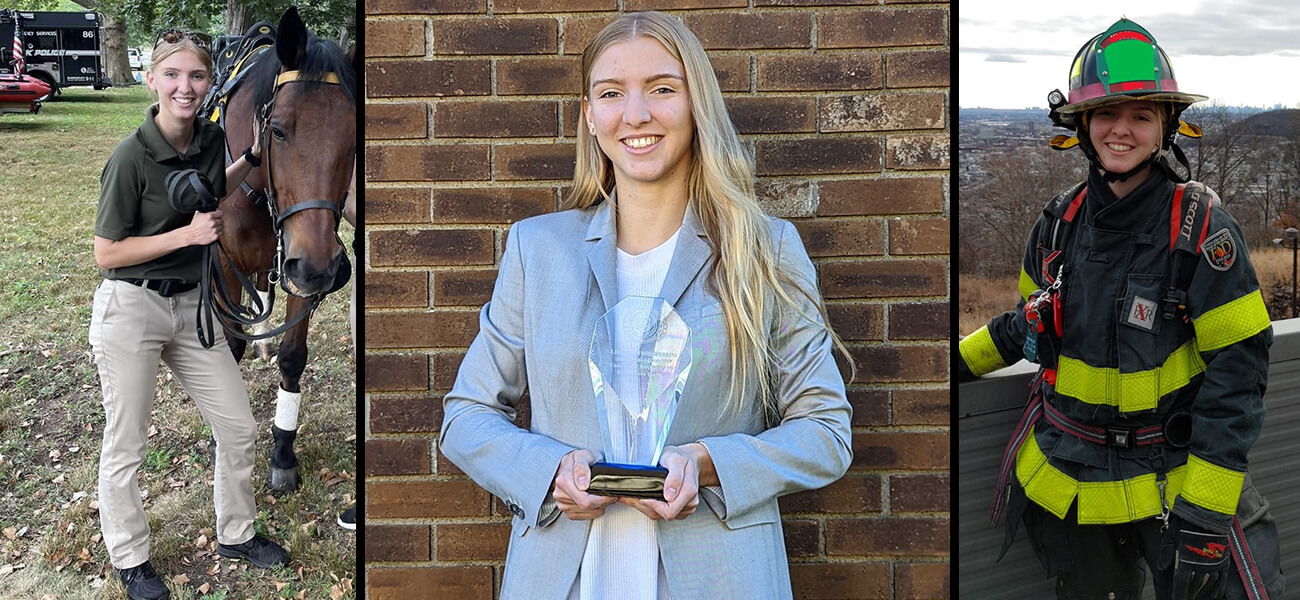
(601, 254)
(689, 257)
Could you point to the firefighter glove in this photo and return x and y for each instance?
(1200, 560)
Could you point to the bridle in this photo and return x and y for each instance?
(215, 294)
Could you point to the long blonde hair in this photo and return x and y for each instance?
(722, 195)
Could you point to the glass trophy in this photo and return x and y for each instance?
(640, 358)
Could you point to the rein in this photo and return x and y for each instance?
(216, 296)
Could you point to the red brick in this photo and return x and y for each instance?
(895, 451)
(396, 205)
(461, 583)
(423, 7)
(445, 367)
(425, 499)
(851, 494)
(887, 537)
(878, 28)
(436, 247)
(802, 537)
(919, 493)
(881, 196)
(809, 2)
(495, 119)
(839, 581)
(397, 543)
(921, 321)
(784, 198)
(471, 541)
(852, 237)
(732, 71)
(427, 163)
(817, 156)
(396, 121)
(463, 288)
(397, 457)
(438, 329)
(403, 37)
(922, 581)
(405, 415)
(579, 31)
(772, 114)
(539, 76)
(915, 152)
(547, 6)
(397, 372)
(857, 321)
(751, 30)
(923, 407)
(883, 278)
(491, 205)
(428, 78)
(918, 68)
(919, 236)
(886, 364)
(638, 5)
(534, 161)
(495, 36)
(800, 72)
(870, 407)
(881, 112)
(394, 289)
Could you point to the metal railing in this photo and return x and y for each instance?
(988, 411)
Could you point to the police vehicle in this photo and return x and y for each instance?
(60, 48)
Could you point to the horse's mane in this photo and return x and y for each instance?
(322, 56)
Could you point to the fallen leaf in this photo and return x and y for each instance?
(334, 481)
(11, 532)
(7, 569)
(278, 586)
(335, 592)
(84, 554)
(94, 539)
(180, 579)
(203, 589)
(215, 570)
(55, 454)
(58, 479)
(201, 542)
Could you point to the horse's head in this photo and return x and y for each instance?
(309, 147)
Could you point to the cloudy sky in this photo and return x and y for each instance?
(1238, 52)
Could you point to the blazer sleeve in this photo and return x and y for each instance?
(811, 446)
(478, 430)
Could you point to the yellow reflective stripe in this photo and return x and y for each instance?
(1027, 284)
(1232, 322)
(1130, 392)
(1211, 486)
(980, 353)
(1100, 502)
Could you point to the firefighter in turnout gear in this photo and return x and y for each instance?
(1140, 305)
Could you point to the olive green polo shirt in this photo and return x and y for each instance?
(133, 194)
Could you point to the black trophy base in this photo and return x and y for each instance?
(627, 481)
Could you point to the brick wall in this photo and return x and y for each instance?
(470, 123)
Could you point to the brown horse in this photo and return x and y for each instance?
(305, 105)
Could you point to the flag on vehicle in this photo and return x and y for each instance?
(18, 48)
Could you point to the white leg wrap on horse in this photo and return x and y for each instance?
(264, 326)
(286, 410)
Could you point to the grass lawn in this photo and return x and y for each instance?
(51, 417)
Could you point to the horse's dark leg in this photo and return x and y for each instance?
(293, 359)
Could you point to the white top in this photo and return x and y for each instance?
(621, 560)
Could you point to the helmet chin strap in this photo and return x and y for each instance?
(1156, 159)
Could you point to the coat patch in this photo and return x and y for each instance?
(1142, 313)
(1220, 250)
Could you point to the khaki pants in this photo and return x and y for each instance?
(131, 330)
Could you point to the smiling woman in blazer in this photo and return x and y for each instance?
(663, 205)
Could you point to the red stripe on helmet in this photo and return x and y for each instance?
(1125, 35)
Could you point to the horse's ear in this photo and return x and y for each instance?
(291, 45)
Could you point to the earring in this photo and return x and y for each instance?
(591, 129)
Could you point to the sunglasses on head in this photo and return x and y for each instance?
(173, 35)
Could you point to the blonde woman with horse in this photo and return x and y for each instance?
(144, 312)
(662, 205)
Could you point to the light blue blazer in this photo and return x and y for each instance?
(557, 278)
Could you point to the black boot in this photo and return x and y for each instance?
(260, 551)
(284, 463)
(143, 583)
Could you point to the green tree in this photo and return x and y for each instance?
(30, 4)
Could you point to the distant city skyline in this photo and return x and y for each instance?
(1237, 52)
